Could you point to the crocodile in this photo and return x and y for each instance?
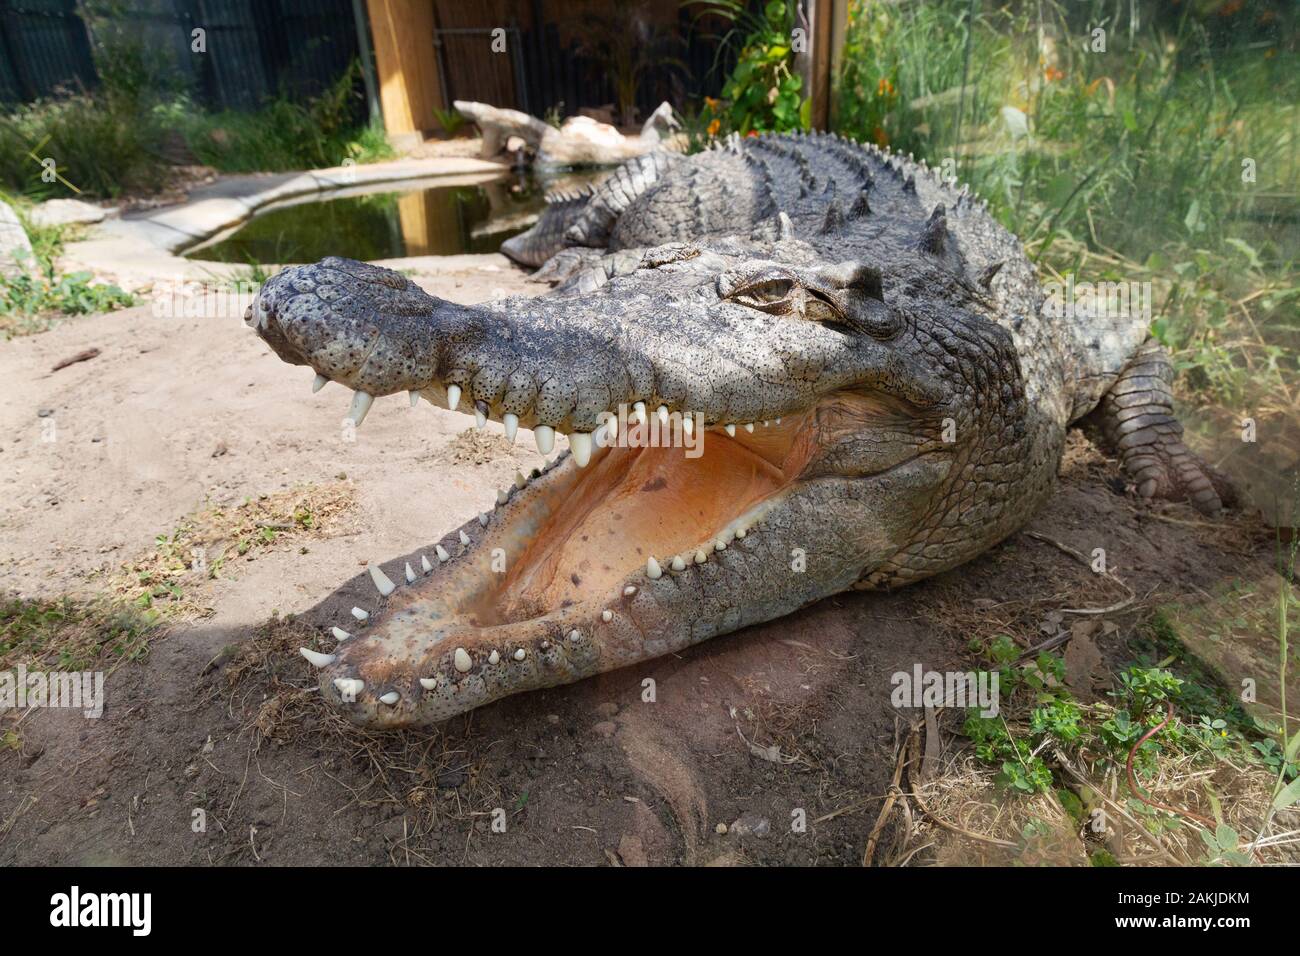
(787, 366)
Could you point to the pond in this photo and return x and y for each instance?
(424, 219)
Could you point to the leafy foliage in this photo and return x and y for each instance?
(762, 93)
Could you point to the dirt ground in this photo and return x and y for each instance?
(790, 720)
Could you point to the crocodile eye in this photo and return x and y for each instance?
(777, 291)
(768, 292)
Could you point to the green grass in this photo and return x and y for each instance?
(283, 135)
(1132, 166)
(114, 142)
(31, 301)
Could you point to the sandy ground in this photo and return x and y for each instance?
(98, 458)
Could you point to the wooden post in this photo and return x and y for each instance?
(821, 14)
(406, 64)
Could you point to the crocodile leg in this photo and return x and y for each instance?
(1137, 417)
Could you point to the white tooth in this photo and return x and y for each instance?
(349, 686)
(360, 406)
(340, 634)
(319, 382)
(429, 683)
(464, 539)
(652, 569)
(607, 615)
(494, 658)
(360, 615)
(574, 636)
(520, 654)
(611, 428)
(480, 420)
(719, 545)
(415, 398)
(688, 424)
(385, 586)
(701, 557)
(483, 518)
(545, 436)
(765, 424)
(580, 445)
(662, 412)
(390, 698)
(462, 660)
(741, 532)
(678, 563)
(730, 430)
(502, 497)
(317, 659)
(520, 480)
(639, 409)
(410, 575)
(425, 566)
(441, 552)
(749, 427)
(778, 421)
(512, 425)
(629, 590)
(453, 396)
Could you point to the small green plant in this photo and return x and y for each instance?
(451, 121)
(1223, 847)
(762, 93)
(37, 291)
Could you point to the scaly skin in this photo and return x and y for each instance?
(884, 332)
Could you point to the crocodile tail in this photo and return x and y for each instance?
(546, 237)
(616, 193)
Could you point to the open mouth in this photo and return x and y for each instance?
(640, 508)
(577, 570)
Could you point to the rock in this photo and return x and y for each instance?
(606, 710)
(65, 212)
(580, 141)
(16, 256)
(659, 125)
(631, 851)
(606, 728)
(751, 824)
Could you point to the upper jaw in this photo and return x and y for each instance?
(560, 363)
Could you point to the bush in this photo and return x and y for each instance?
(284, 135)
(109, 143)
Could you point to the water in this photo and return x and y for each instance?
(431, 220)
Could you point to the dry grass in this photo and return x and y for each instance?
(139, 601)
(961, 817)
(268, 685)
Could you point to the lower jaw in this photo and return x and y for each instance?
(579, 571)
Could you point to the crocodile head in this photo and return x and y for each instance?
(811, 426)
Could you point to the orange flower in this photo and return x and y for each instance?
(884, 87)
(714, 127)
(711, 103)
(880, 136)
(752, 132)
(1052, 74)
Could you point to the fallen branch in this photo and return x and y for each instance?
(83, 356)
